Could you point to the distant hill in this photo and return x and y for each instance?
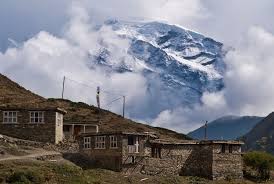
(12, 94)
(261, 137)
(227, 128)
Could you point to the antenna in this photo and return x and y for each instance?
(124, 104)
(98, 96)
(63, 89)
(206, 130)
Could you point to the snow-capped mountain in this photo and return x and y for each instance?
(179, 64)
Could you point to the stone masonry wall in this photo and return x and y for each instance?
(171, 161)
(44, 132)
(204, 160)
(163, 167)
(108, 158)
(189, 160)
(199, 162)
(227, 165)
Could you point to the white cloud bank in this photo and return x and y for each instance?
(184, 12)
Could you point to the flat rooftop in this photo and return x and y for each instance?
(193, 142)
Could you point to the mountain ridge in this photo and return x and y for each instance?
(261, 137)
(227, 127)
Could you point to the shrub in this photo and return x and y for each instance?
(261, 162)
(25, 177)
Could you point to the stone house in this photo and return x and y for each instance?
(143, 153)
(33, 123)
(114, 150)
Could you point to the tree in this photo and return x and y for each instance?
(261, 162)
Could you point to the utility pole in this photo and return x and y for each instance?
(98, 97)
(63, 89)
(206, 130)
(124, 104)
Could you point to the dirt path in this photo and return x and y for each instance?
(38, 154)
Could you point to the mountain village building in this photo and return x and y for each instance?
(33, 123)
(143, 153)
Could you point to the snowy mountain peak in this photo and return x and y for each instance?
(185, 63)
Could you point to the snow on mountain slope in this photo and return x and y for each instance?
(179, 64)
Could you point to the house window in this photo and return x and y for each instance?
(113, 142)
(9, 117)
(100, 142)
(130, 140)
(87, 143)
(223, 148)
(156, 152)
(230, 149)
(37, 117)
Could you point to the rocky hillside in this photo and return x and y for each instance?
(227, 128)
(261, 137)
(12, 93)
(15, 95)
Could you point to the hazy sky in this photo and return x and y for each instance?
(54, 36)
(223, 20)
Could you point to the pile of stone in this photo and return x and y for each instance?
(63, 147)
(21, 142)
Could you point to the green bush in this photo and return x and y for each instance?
(25, 177)
(262, 162)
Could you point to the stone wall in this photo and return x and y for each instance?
(190, 160)
(227, 165)
(107, 158)
(199, 162)
(203, 160)
(23, 129)
(163, 167)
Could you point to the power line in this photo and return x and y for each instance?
(109, 103)
(104, 91)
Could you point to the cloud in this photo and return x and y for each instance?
(249, 77)
(228, 21)
(173, 11)
(249, 88)
(187, 119)
(40, 63)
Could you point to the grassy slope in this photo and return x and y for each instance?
(64, 172)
